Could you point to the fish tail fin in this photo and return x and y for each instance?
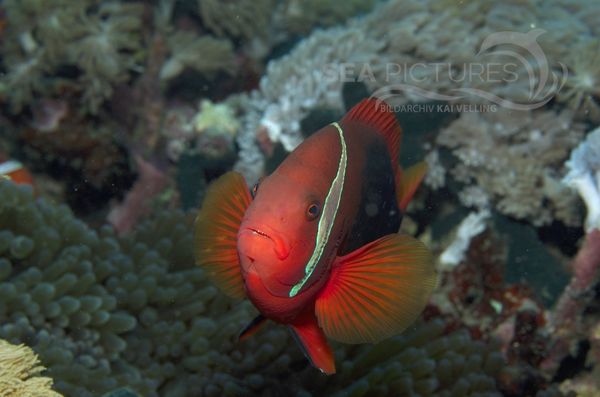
(313, 342)
(376, 291)
(407, 182)
(378, 115)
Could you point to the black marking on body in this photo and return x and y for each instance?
(378, 213)
(252, 326)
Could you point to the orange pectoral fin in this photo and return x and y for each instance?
(217, 226)
(253, 327)
(313, 342)
(376, 291)
(407, 182)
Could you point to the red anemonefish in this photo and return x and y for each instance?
(316, 245)
(16, 172)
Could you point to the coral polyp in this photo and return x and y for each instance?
(582, 85)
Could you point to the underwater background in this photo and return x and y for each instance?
(116, 115)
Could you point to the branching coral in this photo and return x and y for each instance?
(516, 158)
(19, 373)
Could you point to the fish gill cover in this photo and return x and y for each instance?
(125, 111)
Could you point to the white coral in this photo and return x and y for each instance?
(584, 175)
(310, 76)
(470, 227)
(313, 74)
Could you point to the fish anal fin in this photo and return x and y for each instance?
(216, 231)
(378, 115)
(407, 182)
(313, 342)
(253, 327)
(376, 291)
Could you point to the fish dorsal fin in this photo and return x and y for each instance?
(313, 342)
(378, 115)
(216, 231)
(407, 182)
(376, 291)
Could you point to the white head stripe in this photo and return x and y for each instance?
(328, 214)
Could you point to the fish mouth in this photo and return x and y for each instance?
(280, 244)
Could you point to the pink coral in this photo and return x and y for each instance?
(150, 183)
(566, 319)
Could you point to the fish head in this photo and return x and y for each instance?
(274, 239)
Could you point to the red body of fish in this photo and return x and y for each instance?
(315, 245)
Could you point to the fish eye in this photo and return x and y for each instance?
(313, 211)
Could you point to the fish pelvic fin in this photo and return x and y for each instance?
(253, 327)
(407, 182)
(376, 291)
(313, 342)
(216, 229)
(377, 114)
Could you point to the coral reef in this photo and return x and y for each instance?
(495, 152)
(567, 323)
(237, 18)
(470, 227)
(137, 203)
(312, 74)
(86, 157)
(203, 54)
(278, 107)
(581, 91)
(301, 17)
(211, 131)
(19, 373)
(99, 40)
(584, 176)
